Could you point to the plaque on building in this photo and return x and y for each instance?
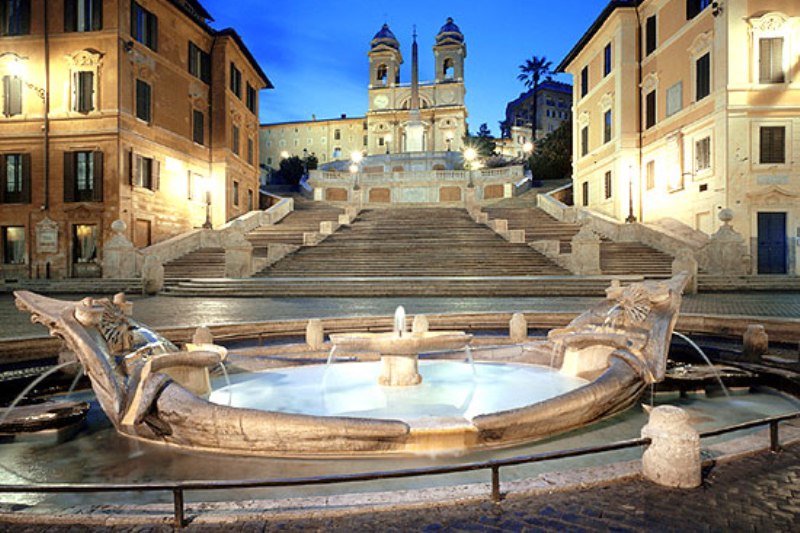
(47, 237)
(772, 180)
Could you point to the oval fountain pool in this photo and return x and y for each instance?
(450, 389)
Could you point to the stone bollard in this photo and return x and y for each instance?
(119, 254)
(420, 325)
(673, 457)
(315, 334)
(755, 342)
(202, 335)
(685, 262)
(123, 304)
(518, 328)
(152, 274)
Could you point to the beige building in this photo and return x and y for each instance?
(553, 103)
(685, 107)
(127, 110)
(383, 130)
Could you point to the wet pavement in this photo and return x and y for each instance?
(167, 311)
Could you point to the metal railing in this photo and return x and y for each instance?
(178, 488)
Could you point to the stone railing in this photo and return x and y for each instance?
(347, 179)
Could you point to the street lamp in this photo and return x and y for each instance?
(284, 155)
(207, 224)
(356, 157)
(305, 161)
(388, 142)
(631, 217)
(470, 155)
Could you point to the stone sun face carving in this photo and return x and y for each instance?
(635, 304)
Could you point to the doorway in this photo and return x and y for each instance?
(772, 243)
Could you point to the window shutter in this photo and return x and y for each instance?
(88, 91)
(14, 96)
(205, 67)
(3, 184)
(152, 28)
(134, 25)
(24, 17)
(156, 177)
(97, 189)
(3, 24)
(76, 80)
(136, 169)
(776, 60)
(69, 176)
(764, 57)
(70, 15)
(97, 15)
(26, 178)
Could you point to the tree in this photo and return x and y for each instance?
(552, 157)
(483, 143)
(532, 73)
(293, 168)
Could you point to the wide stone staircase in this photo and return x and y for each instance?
(210, 262)
(616, 258)
(426, 251)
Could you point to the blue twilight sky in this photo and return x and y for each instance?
(315, 51)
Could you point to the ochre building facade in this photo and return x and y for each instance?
(131, 110)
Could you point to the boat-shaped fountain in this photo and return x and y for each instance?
(149, 389)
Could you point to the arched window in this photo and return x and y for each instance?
(448, 69)
(382, 74)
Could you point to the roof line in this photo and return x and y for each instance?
(230, 32)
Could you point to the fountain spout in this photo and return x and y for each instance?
(400, 321)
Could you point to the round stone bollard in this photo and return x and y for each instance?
(518, 328)
(315, 335)
(673, 457)
(755, 342)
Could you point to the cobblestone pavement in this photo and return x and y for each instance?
(758, 493)
(160, 311)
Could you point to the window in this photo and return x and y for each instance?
(143, 99)
(83, 176)
(703, 77)
(195, 186)
(235, 139)
(14, 245)
(650, 39)
(145, 172)
(235, 193)
(199, 63)
(198, 127)
(607, 187)
(366, 140)
(83, 91)
(695, 7)
(15, 179)
(382, 74)
(250, 149)
(448, 69)
(650, 104)
(607, 60)
(584, 81)
(236, 81)
(84, 239)
(585, 193)
(770, 60)
(607, 126)
(144, 26)
(337, 135)
(702, 154)
(15, 17)
(12, 96)
(83, 15)
(772, 144)
(584, 140)
(674, 99)
(251, 98)
(650, 175)
(249, 199)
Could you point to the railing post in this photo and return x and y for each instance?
(496, 484)
(178, 496)
(774, 437)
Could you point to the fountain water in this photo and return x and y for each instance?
(21, 396)
(700, 351)
(400, 321)
(74, 383)
(470, 359)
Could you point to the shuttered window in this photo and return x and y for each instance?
(12, 96)
(15, 179)
(695, 7)
(83, 15)
(236, 81)
(251, 99)
(15, 17)
(145, 172)
(585, 193)
(584, 81)
(83, 91)
(199, 63)
(584, 140)
(607, 126)
(143, 101)
(198, 127)
(235, 140)
(703, 77)
(650, 104)
(650, 35)
(770, 60)
(772, 144)
(144, 26)
(83, 176)
(607, 188)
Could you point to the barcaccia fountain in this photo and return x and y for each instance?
(595, 367)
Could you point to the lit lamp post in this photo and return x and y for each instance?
(388, 139)
(527, 149)
(207, 224)
(631, 217)
(305, 161)
(356, 158)
(470, 155)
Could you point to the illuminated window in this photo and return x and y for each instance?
(84, 239)
(15, 179)
(14, 245)
(144, 26)
(83, 15)
(770, 60)
(83, 176)
(83, 91)
(702, 154)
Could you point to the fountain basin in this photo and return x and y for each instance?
(406, 344)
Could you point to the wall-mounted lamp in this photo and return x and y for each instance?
(716, 8)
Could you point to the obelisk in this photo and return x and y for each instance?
(414, 128)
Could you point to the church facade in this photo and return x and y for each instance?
(385, 128)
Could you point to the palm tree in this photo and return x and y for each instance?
(531, 74)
